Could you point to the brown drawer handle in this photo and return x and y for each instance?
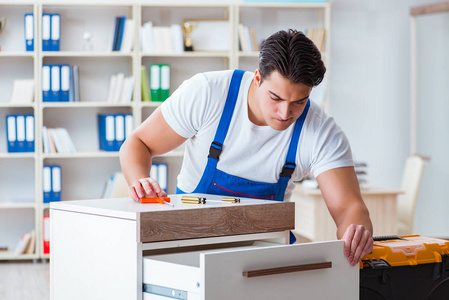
(289, 269)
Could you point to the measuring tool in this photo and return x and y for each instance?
(161, 200)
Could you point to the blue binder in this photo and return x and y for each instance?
(46, 82)
(46, 183)
(55, 183)
(29, 32)
(55, 29)
(119, 131)
(11, 133)
(120, 33)
(106, 132)
(29, 133)
(65, 83)
(46, 32)
(21, 133)
(55, 83)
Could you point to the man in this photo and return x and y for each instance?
(252, 134)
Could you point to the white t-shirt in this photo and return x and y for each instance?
(252, 152)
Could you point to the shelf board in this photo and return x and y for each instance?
(248, 54)
(91, 154)
(84, 104)
(16, 54)
(18, 155)
(284, 5)
(150, 104)
(8, 104)
(102, 154)
(198, 54)
(6, 205)
(86, 54)
(9, 255)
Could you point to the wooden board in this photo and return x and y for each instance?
(215, 221)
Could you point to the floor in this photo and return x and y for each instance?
(24, 280)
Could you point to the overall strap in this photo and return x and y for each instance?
(289, 166)
(225, 121)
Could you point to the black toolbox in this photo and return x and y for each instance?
(408, 267)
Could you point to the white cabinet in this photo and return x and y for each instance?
(120, 249)
(84, 173)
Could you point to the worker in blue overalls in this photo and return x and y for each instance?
(252, 134)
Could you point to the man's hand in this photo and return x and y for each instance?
(145, 187)
(358, 243)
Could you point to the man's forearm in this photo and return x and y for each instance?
(356, 214)
(135, 159)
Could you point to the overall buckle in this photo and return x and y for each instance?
(215, 150)
(288, 170)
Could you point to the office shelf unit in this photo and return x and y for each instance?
(84, 173)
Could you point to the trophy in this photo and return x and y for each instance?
(188, 28)
(2, 27)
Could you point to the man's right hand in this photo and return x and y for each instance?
(145, 188)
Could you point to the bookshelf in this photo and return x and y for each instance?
(84, 173)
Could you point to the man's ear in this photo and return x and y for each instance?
(257, 78)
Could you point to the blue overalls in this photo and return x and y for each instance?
(217, 182)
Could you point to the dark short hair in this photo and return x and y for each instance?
(294, 56)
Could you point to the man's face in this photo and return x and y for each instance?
(281, 102)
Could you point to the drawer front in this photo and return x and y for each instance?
(304, 271)
(223, 273)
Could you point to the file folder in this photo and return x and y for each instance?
(29, 32)
(20, 122)
(46, 183)
(55, 183)
(165, 82)
(55, 83)
(46, 234)
(106, 132)
(55, 29)
(46, 27)
(29, 133)
(119, 131)
(162, 176)
(153, 171)
(11, 133)
(129, 124)
(65, 83)
(46, 78)
(155, 82)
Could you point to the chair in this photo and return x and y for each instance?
(406, 202)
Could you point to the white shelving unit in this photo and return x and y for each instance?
(84, 173)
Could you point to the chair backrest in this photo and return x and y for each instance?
(406, 202)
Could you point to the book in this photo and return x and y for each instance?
(244, 38)
(32, 243)
(22, 245)
(76, 83)
(128, 36)
(147, 38)
(145, 84)
(116, 186)
(61, 139)
(254, 39)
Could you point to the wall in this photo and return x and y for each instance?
(370, 83)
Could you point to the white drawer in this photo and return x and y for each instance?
(219, 274)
